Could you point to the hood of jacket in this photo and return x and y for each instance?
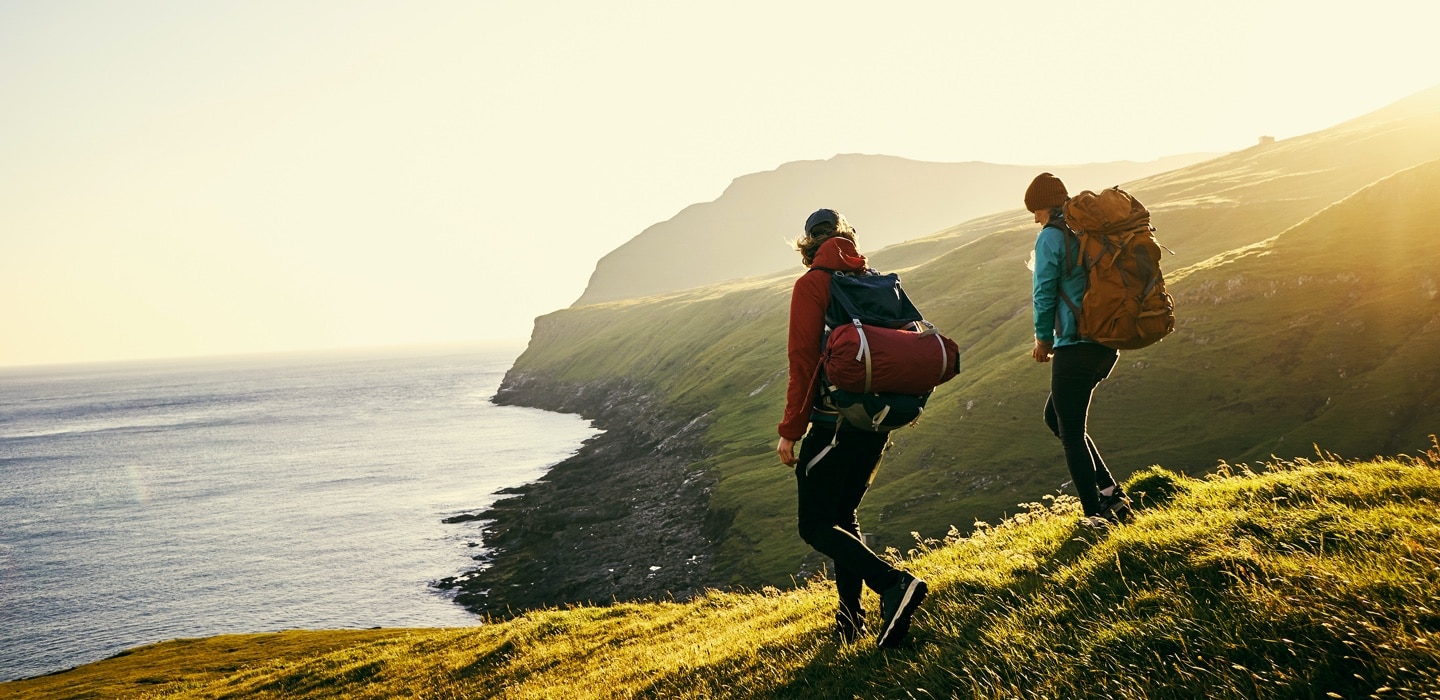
(838, 253)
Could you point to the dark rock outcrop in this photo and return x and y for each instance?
(623, 519)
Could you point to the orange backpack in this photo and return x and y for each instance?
(1125, 304)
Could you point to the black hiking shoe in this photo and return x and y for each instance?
(849, 627)
(1116, 506)
(897, 604)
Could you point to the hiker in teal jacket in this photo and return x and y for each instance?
(1077, 365)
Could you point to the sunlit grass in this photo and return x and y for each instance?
(1298, 579)
(1304, 293)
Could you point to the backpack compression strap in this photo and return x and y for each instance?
(925, 328)
(864, 354)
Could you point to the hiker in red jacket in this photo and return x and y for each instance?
(832, 483)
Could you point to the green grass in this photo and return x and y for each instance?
(1306, 298)
(1304, 578)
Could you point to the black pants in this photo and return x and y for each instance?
(1074, 372)
(830, 493)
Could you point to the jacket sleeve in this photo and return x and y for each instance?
(807, 323)
(1049, 259)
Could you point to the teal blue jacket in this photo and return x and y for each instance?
(1055, 268)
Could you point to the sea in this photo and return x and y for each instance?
(148, 501)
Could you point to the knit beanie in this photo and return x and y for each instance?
(1045, 191)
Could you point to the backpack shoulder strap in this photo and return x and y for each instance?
(1071, 242)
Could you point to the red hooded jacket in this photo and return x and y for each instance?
(808, 303)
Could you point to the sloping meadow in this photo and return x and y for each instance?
(1306, 300)
(1289, 579)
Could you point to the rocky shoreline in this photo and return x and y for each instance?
(626, 518)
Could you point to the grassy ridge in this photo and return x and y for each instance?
(1309, 579)
(1309, 311)
(1301, 306)
(756, 211)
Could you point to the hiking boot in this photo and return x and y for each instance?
(849, 627)
(897, 604)
(1116, 506)
(1097, 522)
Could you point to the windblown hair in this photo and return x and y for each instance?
(823, 231)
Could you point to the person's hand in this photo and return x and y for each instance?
(786, 451)
(1043, 351)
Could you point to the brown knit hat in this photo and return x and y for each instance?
(1045, 191)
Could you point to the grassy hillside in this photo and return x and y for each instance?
(1306, 300)
(1309, 579)
(1215, 206)
(743, 232)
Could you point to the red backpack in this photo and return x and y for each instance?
(881, 357)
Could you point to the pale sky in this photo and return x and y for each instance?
(185, 178)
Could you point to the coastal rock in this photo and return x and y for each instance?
(623, 519)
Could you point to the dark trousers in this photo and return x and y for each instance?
(829, 496)
(1074, 372)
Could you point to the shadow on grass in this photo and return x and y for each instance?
(932, 662)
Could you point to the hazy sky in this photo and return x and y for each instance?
(188, 178)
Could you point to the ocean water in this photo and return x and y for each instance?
(142, 502)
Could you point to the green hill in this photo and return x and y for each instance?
(1311, 579)
(1239, 199)
(1306, 294)
(891, 199)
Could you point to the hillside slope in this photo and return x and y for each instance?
(1306, 305)
(1311, 579)
(1244, 197)
(744, 232)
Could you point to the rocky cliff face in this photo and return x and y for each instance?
(624, 519)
